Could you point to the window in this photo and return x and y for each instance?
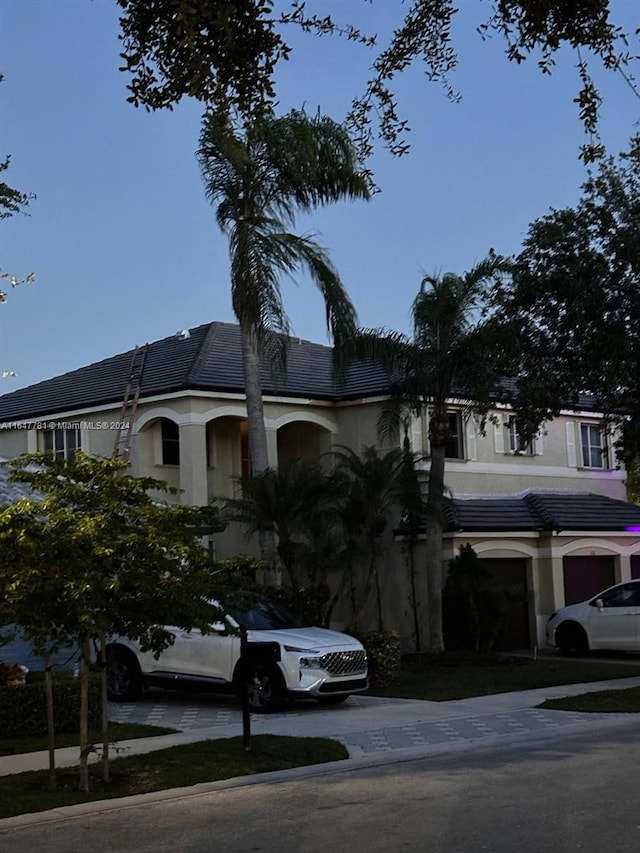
(170, 442)
(63, 443)
(594, 450)
(515, 442)
(622, 596)
(454, 448)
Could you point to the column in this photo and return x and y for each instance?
(193, 464)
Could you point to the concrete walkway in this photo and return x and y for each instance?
(370, 727)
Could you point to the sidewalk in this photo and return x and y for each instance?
(389, 729)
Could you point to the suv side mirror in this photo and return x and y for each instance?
(219, 627)
(599, 603)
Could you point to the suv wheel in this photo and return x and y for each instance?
(124, 679)
(265, 688)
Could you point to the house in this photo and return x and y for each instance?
(551, 513)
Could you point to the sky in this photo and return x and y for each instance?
(125, 247)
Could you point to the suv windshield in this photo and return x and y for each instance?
(266, 615)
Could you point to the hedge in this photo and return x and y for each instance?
(23, 710)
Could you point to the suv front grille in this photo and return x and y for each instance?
(344, 663)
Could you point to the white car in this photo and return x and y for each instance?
(609, 620)
(296, 661)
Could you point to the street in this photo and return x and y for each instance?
(574, 794)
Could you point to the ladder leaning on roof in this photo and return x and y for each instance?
(124, 426)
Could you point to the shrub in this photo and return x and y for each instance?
(383, 652)
(23, 710)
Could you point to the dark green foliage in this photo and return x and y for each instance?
(574, 305)
(384, 655)
(23, 710)
(229, 53)
(475, 604)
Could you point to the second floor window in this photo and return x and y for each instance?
(63, 443)
(454, 448)
(594, 449)
(515, 442)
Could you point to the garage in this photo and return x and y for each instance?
(515, 633)
(586, 576)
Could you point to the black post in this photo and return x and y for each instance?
(244, 692)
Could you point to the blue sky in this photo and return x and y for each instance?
(125, 246)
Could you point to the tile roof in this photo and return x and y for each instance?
(208, 358)
(540, 511)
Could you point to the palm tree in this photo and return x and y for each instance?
(259, 179)
(454, 351)
(375, 482)
(281, 502)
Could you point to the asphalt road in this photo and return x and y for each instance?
(580, 794)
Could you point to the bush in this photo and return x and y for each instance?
(23, 710)
(383, 652)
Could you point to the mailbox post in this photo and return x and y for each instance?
(252, 655)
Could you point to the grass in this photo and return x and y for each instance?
(440, 678)
(175, 767)
(117, 731)
(603, 702)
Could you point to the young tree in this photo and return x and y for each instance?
(226, 54)
(259, 180)
(574, 305)
(456, 352)
(98, 556)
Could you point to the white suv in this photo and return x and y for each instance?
(609, 620)
(296, 660)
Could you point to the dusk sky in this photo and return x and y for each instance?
(125, 247)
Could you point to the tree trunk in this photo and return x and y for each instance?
(434, 546)
(105, 709)
(84, 715)
(51, 737)
(258, 450)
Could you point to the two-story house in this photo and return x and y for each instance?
(551, 516)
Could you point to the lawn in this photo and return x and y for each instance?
(603, 702)
(176, 767)
(117, 731)
(440, 678)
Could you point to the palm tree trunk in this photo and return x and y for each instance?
(434, 546)
(255, 420)
(105, 708)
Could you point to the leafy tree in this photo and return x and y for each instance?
(259, 180)
(226, 53)
(456, 352)
(98, 556)
(12, 201)
(574, 305)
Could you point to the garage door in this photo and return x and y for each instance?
(515, 633)
(586, 576)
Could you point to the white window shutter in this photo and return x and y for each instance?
(572, 458)
(417, 443)
(470, 451)
(539, 443)
(498, 434)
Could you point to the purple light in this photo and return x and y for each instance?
(635, 528)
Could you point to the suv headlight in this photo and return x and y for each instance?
(311, 663)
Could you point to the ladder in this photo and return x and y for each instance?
(124, 425)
